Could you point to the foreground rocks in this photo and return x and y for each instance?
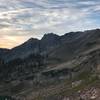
(86, 94)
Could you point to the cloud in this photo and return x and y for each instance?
(26, 18)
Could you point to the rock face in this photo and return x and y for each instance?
(87, 94)
(43, 69)
(49, 41)
(60, 54)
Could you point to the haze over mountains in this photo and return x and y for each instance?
(50, 63)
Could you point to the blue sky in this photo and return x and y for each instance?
(22, 19)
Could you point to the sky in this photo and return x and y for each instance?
(23, 19)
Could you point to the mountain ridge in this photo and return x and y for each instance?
(52, 68)
(50, 42)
